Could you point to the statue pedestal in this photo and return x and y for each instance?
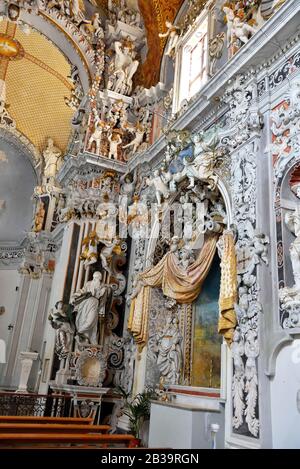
(27, 359)
(86, 401)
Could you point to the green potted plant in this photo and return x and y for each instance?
(137, 410)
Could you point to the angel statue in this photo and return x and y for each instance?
(173, 33)
(90, 304)
(160, 186)
(53, 161)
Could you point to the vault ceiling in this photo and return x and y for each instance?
(36, 85)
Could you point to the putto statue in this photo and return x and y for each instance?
(115, 141)
(239, 27)
(96, 137)
(53, 161)
(139, 131)
(173, 34)
(90, 304)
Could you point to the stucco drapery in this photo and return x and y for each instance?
(228, 290)
(183, 286)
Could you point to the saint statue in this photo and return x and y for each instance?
(169, 360)
(53, 159)
(292, 220)
(90, 305)
(64, 330)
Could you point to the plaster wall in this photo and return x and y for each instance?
(9, 285)
(285, 398)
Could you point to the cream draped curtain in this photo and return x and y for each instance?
(184, 287)
(228, 290)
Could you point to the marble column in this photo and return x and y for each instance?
(27, 359)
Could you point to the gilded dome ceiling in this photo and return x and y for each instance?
(36, 77)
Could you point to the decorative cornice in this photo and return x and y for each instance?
(87, 163)
(267, 42)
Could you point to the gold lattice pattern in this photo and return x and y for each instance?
(36, 87)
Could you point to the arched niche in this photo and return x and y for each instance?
(18, 177)
(287, 210)
(200, 342)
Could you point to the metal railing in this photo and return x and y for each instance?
(52, 405)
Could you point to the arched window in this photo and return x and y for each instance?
(192, 62)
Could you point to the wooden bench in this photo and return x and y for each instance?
(21, 440)
(52, 428)
(47, 420)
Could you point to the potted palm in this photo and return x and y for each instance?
(137, 410)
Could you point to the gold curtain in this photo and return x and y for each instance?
(183, 286)
(228, 290)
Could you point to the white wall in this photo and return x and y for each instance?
(9, 280)
(284, 389)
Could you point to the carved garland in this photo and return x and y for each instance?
(245, 348)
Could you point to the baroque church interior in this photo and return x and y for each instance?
(149, 224)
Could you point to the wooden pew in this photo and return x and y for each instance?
(50, 428)
(47, 420)
(34, 440)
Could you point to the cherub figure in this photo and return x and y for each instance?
(115, 141)
(173, 33)
(139, 137)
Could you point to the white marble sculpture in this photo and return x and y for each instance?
(169, 359)
(125, 66)
(242, 31)
(90, 304)
(160, 186)
(53, 160)
(96, 136)
(173, 34)
(236, 28)
(201, 167)
(107, 253)
(64, 330)
(229, 19)
(139, 131)
(115, 141)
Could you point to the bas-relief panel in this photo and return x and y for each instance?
(206, 361)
